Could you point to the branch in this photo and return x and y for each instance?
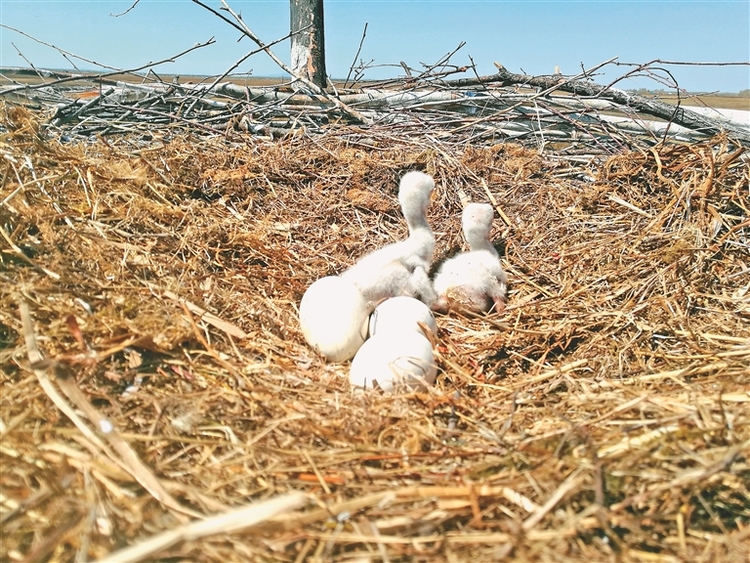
(356, 55)
(126, 11)
(63, 52)
(101, 76)
(675, 114)
(441, 62)
(239, 62)
(683, 63)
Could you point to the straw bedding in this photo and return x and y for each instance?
(604, 415)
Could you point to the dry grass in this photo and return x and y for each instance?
(603, 416)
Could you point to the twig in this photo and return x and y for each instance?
(356, 55)
(135, 3)
(441, 62)
(99, 76)
(240, 61)
(684, 63)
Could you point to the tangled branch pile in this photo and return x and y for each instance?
(603, 415)
(570, 114)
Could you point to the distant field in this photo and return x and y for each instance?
(719, 101)
(27, 76)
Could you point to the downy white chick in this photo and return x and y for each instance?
(475, 279)
(401, 268)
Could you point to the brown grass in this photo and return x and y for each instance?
(603, 416)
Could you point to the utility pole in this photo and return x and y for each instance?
(308, 46)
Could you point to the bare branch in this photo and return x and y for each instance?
(101, 76)
(683, 63)
(356, 55)
(678, 115)
(126, 11)
(239, 62)
(63, 52)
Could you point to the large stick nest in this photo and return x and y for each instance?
(604, 415)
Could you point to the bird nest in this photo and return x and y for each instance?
(158, 401)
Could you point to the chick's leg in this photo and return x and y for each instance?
(496, 293)
(441, 304)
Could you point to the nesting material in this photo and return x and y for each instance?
(602, 416)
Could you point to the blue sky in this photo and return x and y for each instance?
(533, 36)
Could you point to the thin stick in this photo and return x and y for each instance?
(115, 71)
(356, 55)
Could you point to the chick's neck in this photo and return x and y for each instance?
(477, 240)
(416, 218)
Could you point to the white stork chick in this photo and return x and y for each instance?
(401, 268)
(475, 279)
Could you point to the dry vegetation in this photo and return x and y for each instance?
(603, 416)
